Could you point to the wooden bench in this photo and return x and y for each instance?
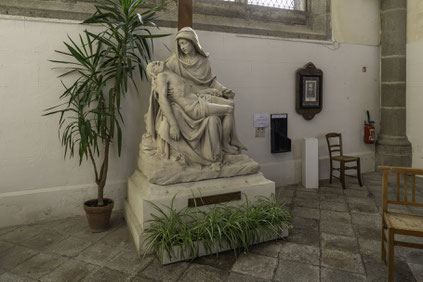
(401, 223)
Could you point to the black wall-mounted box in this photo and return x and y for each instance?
(279, 133)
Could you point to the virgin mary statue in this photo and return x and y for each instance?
(166, 161)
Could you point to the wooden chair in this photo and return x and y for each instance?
(334, 141)
(404, 223)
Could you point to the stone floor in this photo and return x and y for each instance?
(336, 237)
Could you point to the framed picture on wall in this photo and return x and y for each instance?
(309, 81)
(310, 94)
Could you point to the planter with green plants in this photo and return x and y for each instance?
(192, 232)
(101, 65)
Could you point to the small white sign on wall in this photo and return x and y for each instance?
(261, 120)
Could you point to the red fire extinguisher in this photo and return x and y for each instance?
(369, 130)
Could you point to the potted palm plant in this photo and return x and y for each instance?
(100, 66)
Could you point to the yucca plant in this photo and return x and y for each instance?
(101, 65)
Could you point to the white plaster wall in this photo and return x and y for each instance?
(37, 183)
(356, 21)
(414, 79)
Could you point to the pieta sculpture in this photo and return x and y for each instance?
(190, 125)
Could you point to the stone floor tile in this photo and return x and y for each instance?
(355, 186)
(21, 234)
(376, 269)
(300, 253)
(44, 239)
(69, 247)
(305, 223)
(326, 183)
(145, 261)
(363, 207)
(331, 190)
(15, 256)
(356, 193)
(300, 187)
(343, 217)
(255, 265)
(8, 229)
(306, 212)
(170, 272)
(4, 246)
(119, 237)
(304, 236)
(331, 275)
(238, 277)
(295, 271)
(306, 203)
(333, 206)
(285, 201)
(332, 198)
(342, 260)
(87, 235)
(199, 273)
(338, 242)
(125, 261)
(285, 193)
(66, 226)
(369, 232)
(334, 227)
(40, 265)
(72, 269)
(353, 200)
(414, 256)
(98, 253)
(366, 219)
(11, 277)
(417, 270)
(142, 278)
(403, 272)
(292, 186)
(104, 274)
(269, 249)
(307, 195)
(369, 247)
(223, 260)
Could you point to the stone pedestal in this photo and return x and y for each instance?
(310, 172)
(141, 192)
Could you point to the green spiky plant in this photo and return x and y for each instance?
(101, 65)
(220, 227)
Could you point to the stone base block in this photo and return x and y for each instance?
(141, 193)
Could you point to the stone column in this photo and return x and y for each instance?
(392, 146)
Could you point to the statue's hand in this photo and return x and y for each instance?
(211, 91)
(215, 92)
(228, 93)
(175, 133)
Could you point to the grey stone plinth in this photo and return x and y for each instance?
(141, 193)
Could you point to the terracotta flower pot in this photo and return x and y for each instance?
(98, 217)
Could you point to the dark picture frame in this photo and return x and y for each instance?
(309, 81)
